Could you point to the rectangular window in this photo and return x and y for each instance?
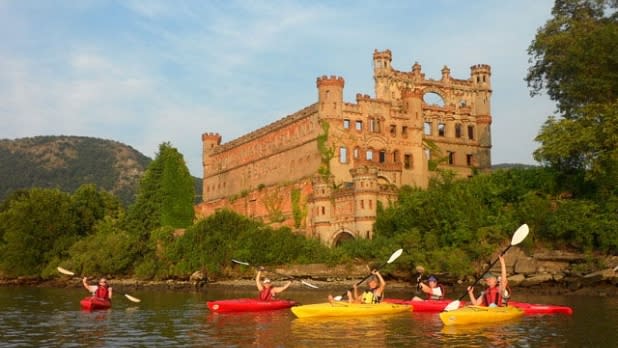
(369, 155)
(457, 130)
(451, 157)
(362, 204)
(441, 129)
(404, 131)
(428, 154)
(343, 155)
(374, 125)
(346, 124)
(358, 125)
(370, 204)
(393, 130)
(471, 132)
(407, 161)
(469, 159)
(356, 152)
(427, 128)
(382, 156)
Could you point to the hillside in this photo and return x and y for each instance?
(66, 162)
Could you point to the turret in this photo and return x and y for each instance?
(382, 71)
(413, 106)
(480, 75)
(446, 74)
(330, 96)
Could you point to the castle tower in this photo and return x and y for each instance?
(330, 96)
(366, 199)
(382, 70)
(413, 106)
(480, 75)
(210, 141)
(321, 207)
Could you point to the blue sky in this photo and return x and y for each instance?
(147, 72)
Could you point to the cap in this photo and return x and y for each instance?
(489, 275)
(266, 280)
(432, 279)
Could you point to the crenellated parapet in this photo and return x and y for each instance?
(212, 137)
(480, 68)
(362, 97)
(386, 55)
(332, 80)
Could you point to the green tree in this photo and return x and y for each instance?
(574, 58)
(165, 196)
(37, 228)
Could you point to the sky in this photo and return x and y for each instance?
(147, 72)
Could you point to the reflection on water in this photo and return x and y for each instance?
(52, 317)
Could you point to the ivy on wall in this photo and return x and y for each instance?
(299, 211)
(326, 152)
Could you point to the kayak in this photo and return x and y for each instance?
(479, 315)
(92, 303)
(341, 309)
(248, 305)
(432, 306)
(533, 308)
(438, 306)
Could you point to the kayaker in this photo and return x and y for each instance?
(492, 296)
(432, 290)
(266, 290)
(374, 293)
(103, 290)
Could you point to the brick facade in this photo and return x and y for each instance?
(323, 170)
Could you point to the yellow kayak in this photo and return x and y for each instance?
(340, 309)
(479, 315)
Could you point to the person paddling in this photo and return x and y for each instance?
(266, 290)
(493, 295)
(432, 290)
(103, 290)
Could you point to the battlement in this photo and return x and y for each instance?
(480, 68)
(382, 55)
(215, 137)
(362, 97)
(411, 93)
(332, 80)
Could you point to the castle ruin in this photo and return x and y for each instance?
(323, 170)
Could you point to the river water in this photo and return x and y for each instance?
(49, 317)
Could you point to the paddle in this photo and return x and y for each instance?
(393, 257)
(302, 281)
(419, 270)
(67, 272)
(520, 234)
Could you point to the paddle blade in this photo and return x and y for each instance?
(240, 262)
(395, 255)
(309, 284)
(132, 299)
(520, 234)
(452, 306)
(65, 271)
(338, 298)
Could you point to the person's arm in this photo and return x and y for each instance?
(90, 288)
(473, 300)
(425, 288)
(109, 293)
(282, 288)
(382, 283)
(503, 281)
(257, 280)
(356, 297)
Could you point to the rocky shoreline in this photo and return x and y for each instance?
(543, 273)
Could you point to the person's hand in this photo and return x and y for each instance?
(374, 272)
(501, 257)
(84, 279)
(470, 289)
(354, 286)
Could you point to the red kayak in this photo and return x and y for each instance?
(92, 303)
(531, 308)
(433, 306)
(438, 306)
(248, 305)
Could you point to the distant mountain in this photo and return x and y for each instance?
(66, 162)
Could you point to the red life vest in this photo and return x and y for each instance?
(101, 292)
(265, 294)
(492, 295)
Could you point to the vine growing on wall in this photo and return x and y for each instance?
(272, 203)
(299, 211)
(326, 152)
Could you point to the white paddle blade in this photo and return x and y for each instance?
(132, 299)
(395, 255)
(309, 284)
(65, 271)
(240, 262)
(338, 298)
(452, 306)
(520, 234)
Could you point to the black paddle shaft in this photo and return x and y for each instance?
(488, 268)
